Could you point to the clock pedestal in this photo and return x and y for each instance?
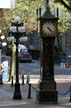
(47, 86)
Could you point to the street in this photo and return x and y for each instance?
(61, 75)
(29, 68)
(34, 69)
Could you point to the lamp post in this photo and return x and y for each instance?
(17, 30)
(48, 31)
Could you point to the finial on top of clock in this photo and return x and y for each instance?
(47, 13)
(47, 3)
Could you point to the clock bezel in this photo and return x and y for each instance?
(49, 28)
(54, 33)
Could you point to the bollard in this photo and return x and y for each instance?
(29, 91)
(12, 82)
(28, 79)
(1, 79)
(23, 79)
(70, 93)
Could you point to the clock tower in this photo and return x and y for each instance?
(48, 26)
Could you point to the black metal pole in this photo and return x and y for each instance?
(29, 91)
(1, 76)
(17, 93)
(23, 79)
(70, 94)
(28, 79)
(17, 73)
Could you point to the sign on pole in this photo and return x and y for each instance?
(7, 4)
(62, 65)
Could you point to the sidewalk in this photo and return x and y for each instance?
(6, 96)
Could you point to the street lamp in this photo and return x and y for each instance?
(17, 29)
(48, 31)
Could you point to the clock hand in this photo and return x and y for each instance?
(49, 29)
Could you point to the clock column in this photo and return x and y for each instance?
(47, 86)
(48, 59)
(47, 92)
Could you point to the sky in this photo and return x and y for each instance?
(7, 3)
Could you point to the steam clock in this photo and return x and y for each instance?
(48, 26)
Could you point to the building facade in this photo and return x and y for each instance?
(65, 39)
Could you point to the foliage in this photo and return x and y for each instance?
(26, 9)
(64, 16)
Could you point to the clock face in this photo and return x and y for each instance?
(48, 28)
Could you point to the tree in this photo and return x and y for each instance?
(64, 14)
(26, 9)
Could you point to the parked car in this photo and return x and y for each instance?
(25, 55)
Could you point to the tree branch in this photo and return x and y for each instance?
(65, 5)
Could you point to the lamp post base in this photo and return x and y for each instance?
(47, 93)
(17, 93)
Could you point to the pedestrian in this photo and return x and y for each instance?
(4, 70)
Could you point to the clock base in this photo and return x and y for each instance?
(47, 93)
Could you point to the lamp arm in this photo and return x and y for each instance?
(65, 5)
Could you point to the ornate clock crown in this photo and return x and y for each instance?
(46, 13)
